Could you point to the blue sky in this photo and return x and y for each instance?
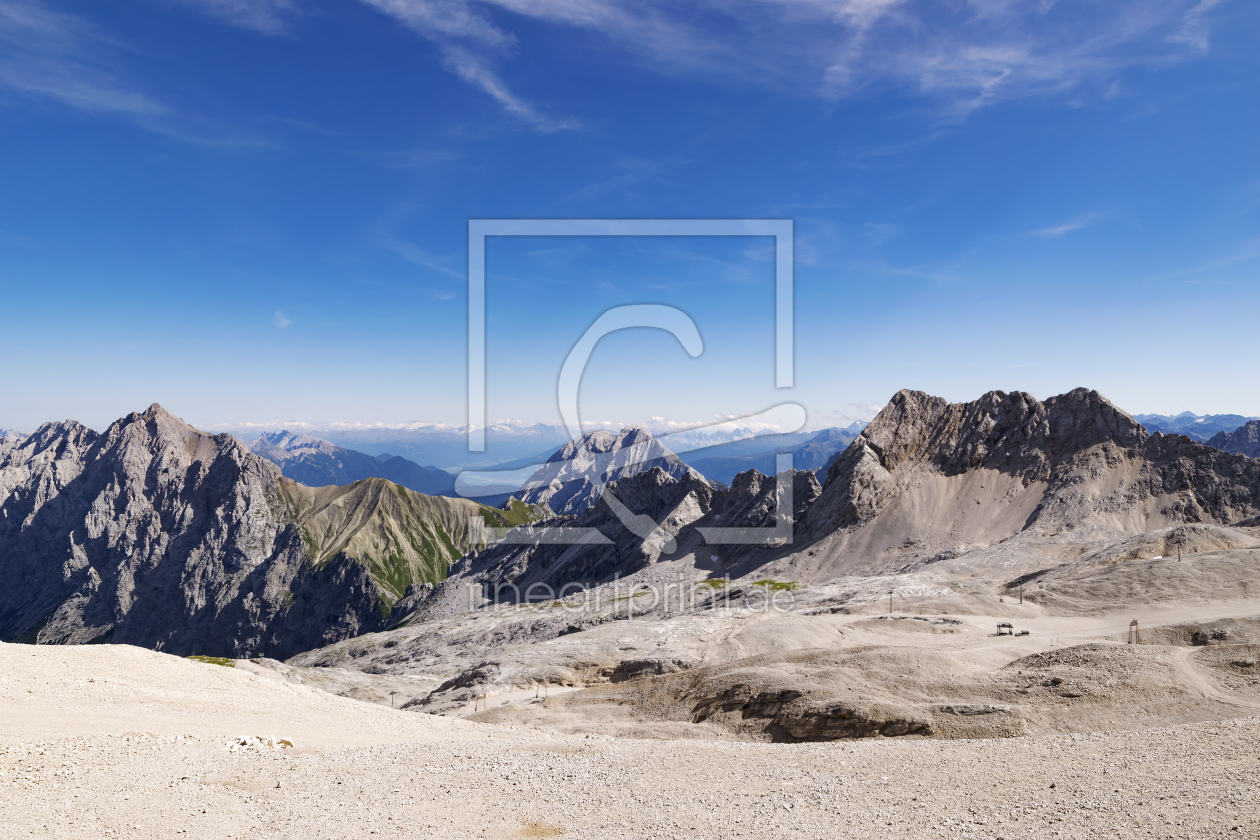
(257, 211)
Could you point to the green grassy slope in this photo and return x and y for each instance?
(402, 536)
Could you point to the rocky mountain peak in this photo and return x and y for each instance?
(933, 473)
(602, 442)
(156, 411)
(1244, 441)
(156, 534)
(285, 445)
(572, 478)
(71, 430)
(1011, 430)
(157, 439)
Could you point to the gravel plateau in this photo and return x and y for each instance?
(114, 741)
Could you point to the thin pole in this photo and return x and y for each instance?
(890, 593)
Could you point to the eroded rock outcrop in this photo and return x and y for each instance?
(790, 715)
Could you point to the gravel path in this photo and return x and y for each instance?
(1193, 675)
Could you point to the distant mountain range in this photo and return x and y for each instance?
(815, 452)
(319, 463)
(446, 447)
(1194, 426)
(526, 477)
(559, 479)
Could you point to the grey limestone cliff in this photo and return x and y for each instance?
(155, 534)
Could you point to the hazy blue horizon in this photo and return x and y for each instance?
(337, 431)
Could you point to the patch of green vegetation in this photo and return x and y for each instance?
(430, 555)
(713, 583)
(312, 547)
(518, 513)
(778, 585)
(214, 660)
(452, 554)
(391, 572)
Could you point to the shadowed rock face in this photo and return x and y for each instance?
(1244, 441)
(158, 535)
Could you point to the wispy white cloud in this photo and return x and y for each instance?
(60, 57)
(281, 320)
(1194, 31)
(470, 45)
(1078, 223)
(270, 17)
(1060, 230)
(473, 67)
(965, 55)
(54, 57)
(453, 19)
(635, 172)
(962, 55)
(971, 55)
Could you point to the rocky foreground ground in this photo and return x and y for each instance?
(114, 741)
